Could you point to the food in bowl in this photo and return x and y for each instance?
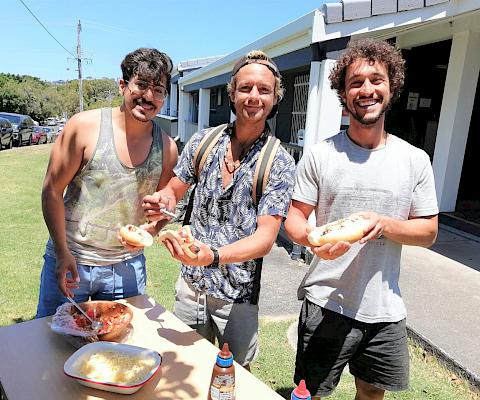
(114, 367)
(115, 317)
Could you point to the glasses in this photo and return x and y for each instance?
(140, 87)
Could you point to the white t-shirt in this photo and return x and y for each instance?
(339, 178)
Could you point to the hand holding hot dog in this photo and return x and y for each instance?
(134, 238)
(334, 239)
(182, 246)
(376, 227)
(328, 251)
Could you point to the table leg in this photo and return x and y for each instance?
(3, 395)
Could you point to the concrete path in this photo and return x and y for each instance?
(440, 287)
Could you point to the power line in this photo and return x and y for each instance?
(43, 26)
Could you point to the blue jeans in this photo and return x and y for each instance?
(106, 282)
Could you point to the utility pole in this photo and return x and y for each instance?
(79, 61)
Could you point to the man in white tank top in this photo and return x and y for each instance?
(353, 312)
(107, 160)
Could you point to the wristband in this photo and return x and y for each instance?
(216, 257)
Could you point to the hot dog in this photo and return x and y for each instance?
(350, 229)
(135, 236)
(184, 237)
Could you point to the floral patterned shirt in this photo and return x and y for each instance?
(223, 216)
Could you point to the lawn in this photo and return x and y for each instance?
(22, 240)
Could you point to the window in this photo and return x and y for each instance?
(215, 98)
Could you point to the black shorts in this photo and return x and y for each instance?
(327, 341)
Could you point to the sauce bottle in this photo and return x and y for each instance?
(222, 385)
(301, 392)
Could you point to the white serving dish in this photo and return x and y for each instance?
(72, 367)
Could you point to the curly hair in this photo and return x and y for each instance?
(258, 55)
(373, 50)
(149, 64)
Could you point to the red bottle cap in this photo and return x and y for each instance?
(301, 390)
(225, 352)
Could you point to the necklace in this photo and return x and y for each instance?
(231, 167)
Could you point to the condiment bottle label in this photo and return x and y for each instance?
(223, 387)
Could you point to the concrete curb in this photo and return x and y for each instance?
(445, 359)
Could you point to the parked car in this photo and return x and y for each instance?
(22, 127)
(40, 134)
(51, 121)
(52, 135)
(6, 134)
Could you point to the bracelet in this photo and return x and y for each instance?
(216, 257)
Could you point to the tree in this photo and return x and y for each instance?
(29, 95)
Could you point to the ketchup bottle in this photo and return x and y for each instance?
(222, 385)
(301, 392)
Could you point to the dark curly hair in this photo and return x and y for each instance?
(373, 50)
(149, 64)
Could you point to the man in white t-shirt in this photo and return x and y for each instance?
(353, 312)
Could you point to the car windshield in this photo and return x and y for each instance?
(12, 118)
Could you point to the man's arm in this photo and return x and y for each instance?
(170, 158)
(420, 231)
(416, 231)
(297, 228)
(296, 224)
(66, 159)
(254, 246)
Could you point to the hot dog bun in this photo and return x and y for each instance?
(135, 236)
(184, 237)
(350, 229)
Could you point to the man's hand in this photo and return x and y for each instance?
(375, 228)
(152, 204)
(150, 228)
(66, 263)
(328, 251)
(204, 255)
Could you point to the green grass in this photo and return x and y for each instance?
(428, 379)
(22, 239)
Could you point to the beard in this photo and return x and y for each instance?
(367, 120)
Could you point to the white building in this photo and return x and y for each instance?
(438, 111)
(167, 118)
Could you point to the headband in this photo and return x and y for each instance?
(246, 61)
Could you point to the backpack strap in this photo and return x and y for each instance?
(205, 147)
(199, 157)
(260, 180)
(263, 167)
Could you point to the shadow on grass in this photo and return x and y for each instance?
(285, 392)
(21, 319)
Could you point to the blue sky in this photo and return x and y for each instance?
(184, 29)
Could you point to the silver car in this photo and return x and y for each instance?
(22, 127)
(6, 134)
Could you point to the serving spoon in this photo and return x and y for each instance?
(96, 325)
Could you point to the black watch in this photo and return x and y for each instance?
(216, 257)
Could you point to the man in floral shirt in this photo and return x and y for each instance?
(217, 292)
